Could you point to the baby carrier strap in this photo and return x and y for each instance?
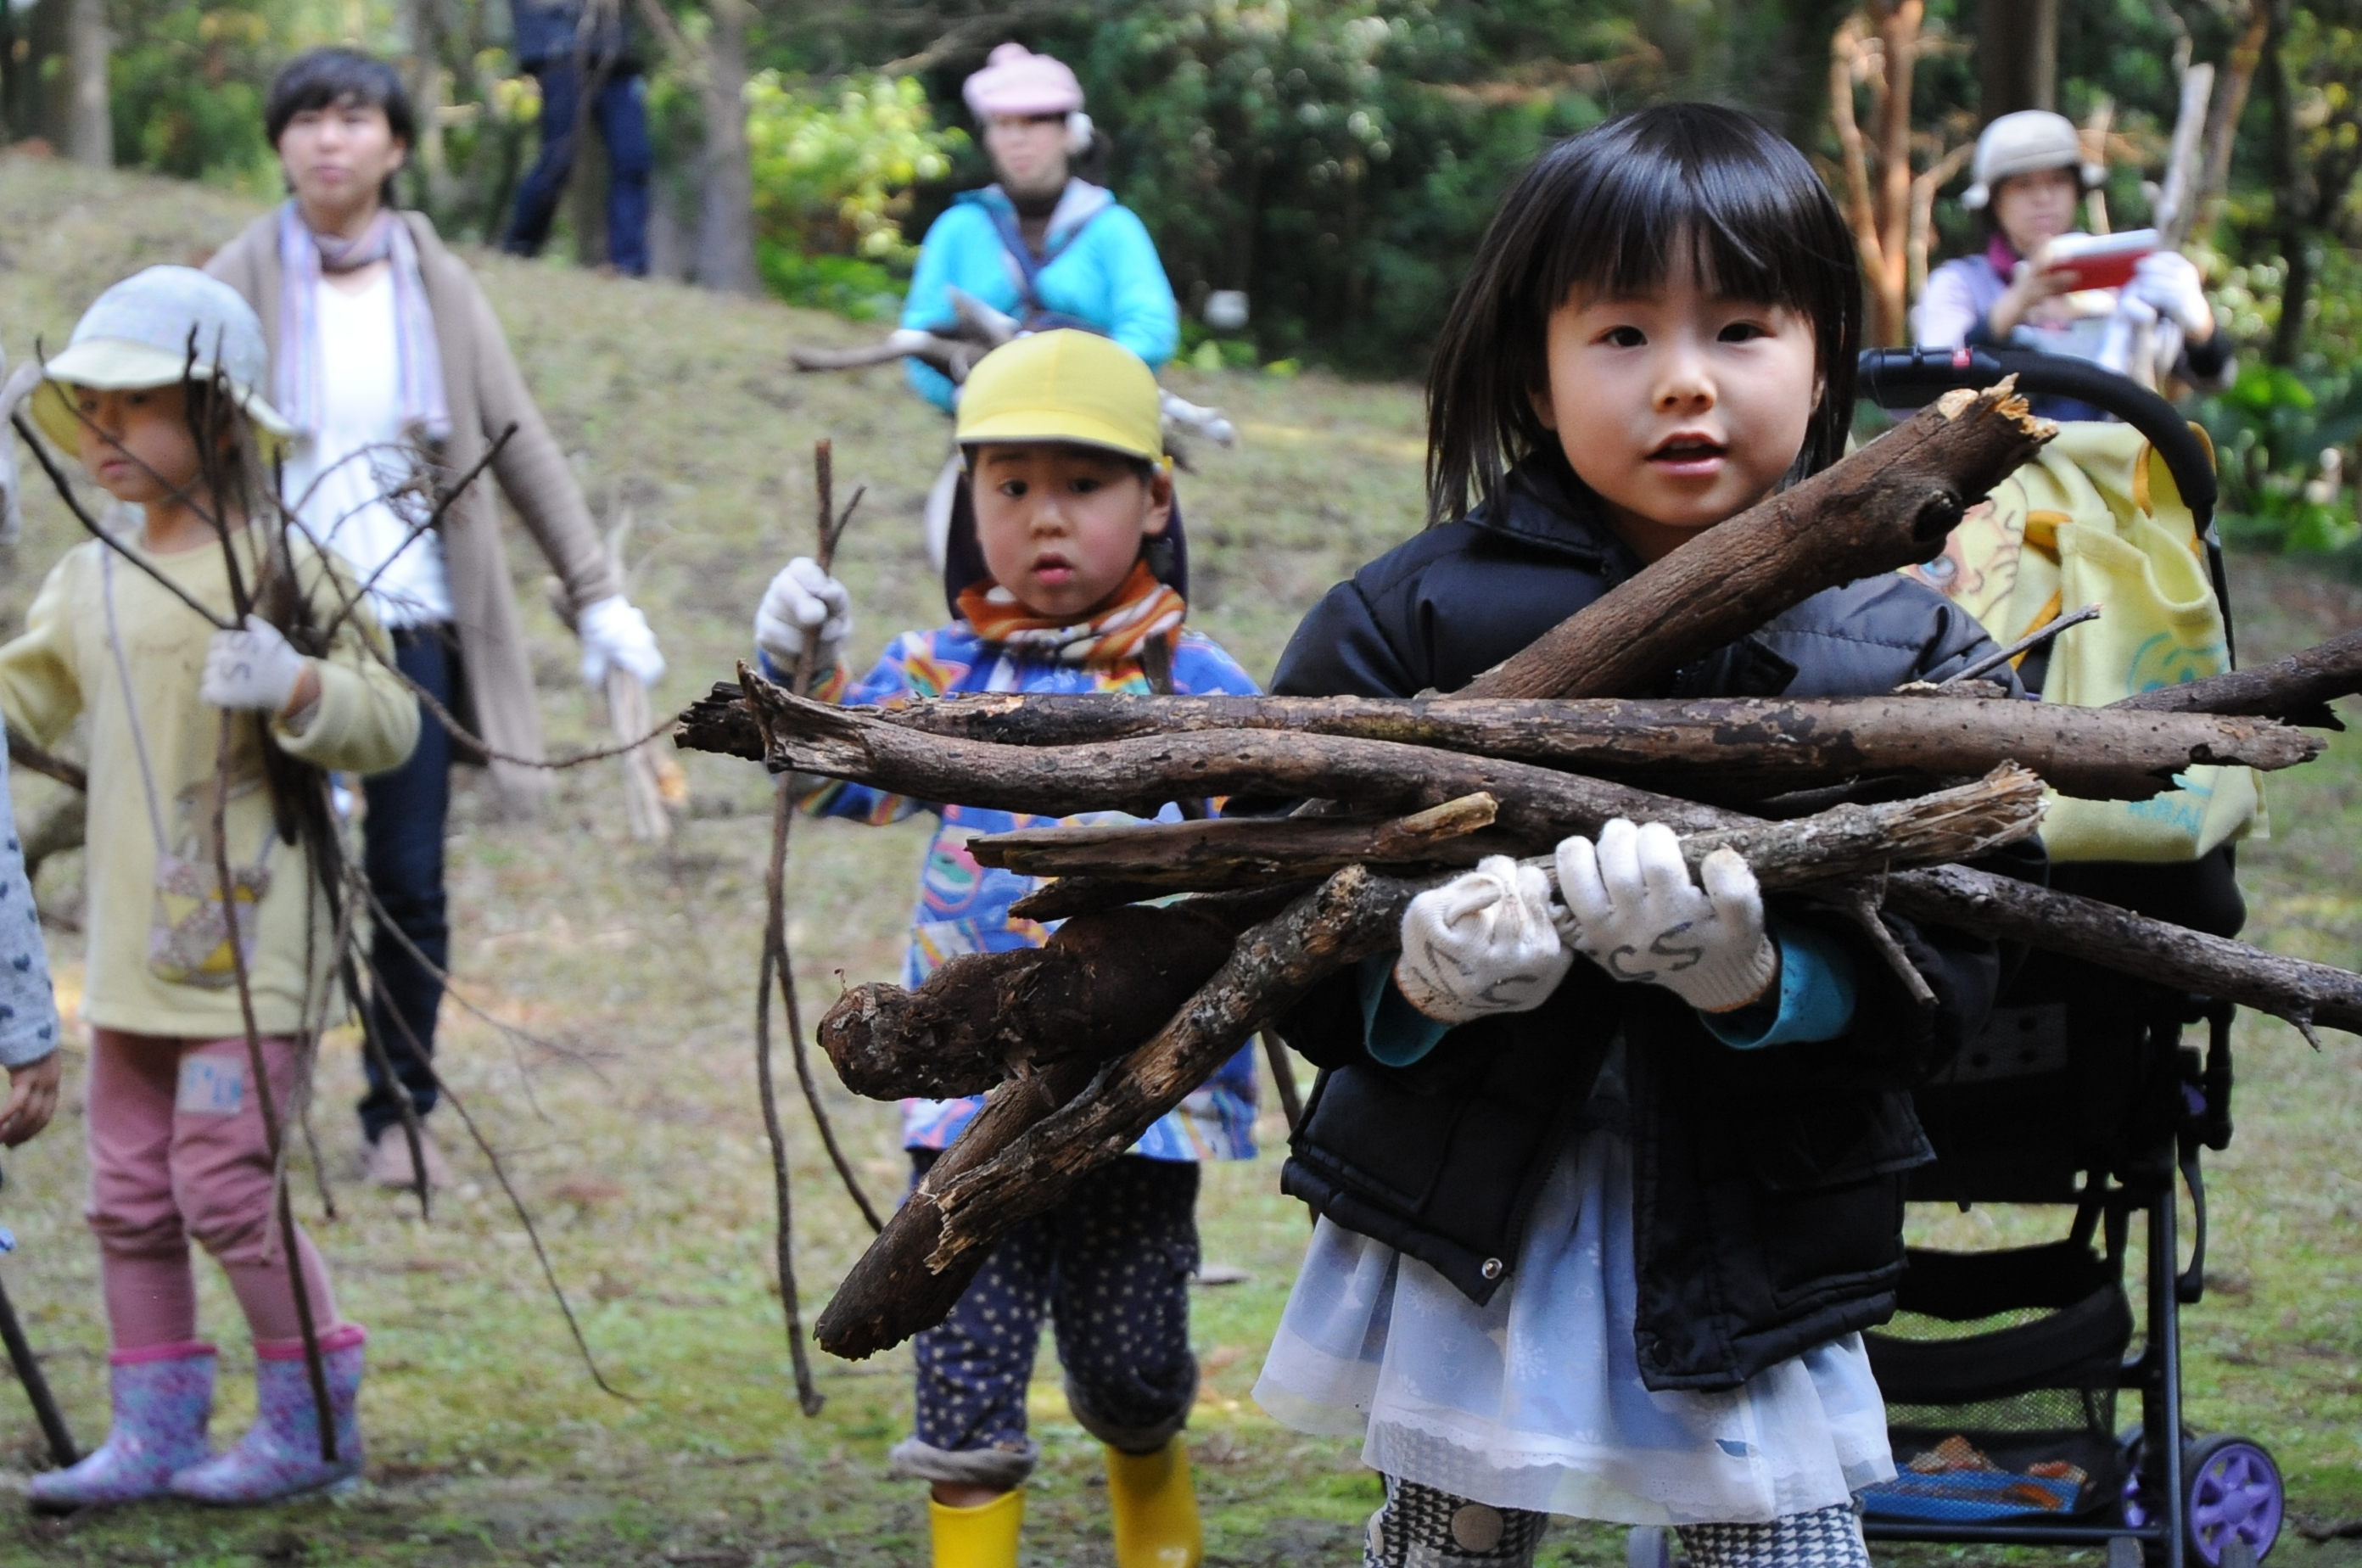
(1034, 316)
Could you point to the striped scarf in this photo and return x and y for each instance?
(1144, 608)
(304, 256)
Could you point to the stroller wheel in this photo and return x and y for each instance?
(2233, 1499)
(2236, 1501)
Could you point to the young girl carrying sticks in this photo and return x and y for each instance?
(1609, 1183)
(156, 394)
(1066, 577)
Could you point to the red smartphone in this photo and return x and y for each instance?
(2102, 260)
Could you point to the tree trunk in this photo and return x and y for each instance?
(2018, 57)
(2292, 190)
(90, 130)
(426, 95)
(725, 230)
(1898, 39)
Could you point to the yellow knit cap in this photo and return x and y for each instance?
(1064, 386)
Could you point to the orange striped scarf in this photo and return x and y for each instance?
(1144, 608)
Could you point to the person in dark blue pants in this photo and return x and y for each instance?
(402, 857)
(574, 49)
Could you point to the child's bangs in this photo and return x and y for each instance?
(1719, 212)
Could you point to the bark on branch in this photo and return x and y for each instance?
(1845, 841)
(2303, 993)
(1727, 748)
(1039, 1134)
(1140, 774)
(2296, 689)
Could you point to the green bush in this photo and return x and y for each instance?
(2270, 430)
(833, 168)
(184, 90)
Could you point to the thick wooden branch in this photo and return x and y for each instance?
(1886, 507)
(1727, 748)
(1233, 852)
(1098, 985)
(1845, 841)
(2305, 994)
(1140, 774)
(2297, 689)
(930, 1250)
(1106, 976)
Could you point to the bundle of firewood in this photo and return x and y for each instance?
(1859, 803)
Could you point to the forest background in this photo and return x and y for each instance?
(1335, 160)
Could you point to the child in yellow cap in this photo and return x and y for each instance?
(1067, 573)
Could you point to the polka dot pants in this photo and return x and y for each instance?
(1112, 1265)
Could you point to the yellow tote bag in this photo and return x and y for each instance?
(2097, 519)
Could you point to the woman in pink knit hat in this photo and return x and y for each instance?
(1040, 242)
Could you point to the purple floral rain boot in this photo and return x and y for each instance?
(162, 1394)
(280, 1457)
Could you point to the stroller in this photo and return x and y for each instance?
(2003, 1370)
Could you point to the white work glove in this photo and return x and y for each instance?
(802, 602)
(1484, 942)
(1638, 915)
(616, 634)
(2169, 284)
(255, 669)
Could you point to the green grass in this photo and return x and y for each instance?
(640, 1145)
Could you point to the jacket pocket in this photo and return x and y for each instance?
(1828, 1183)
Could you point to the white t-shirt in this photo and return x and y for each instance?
(337, 479)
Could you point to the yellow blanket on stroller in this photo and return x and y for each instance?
(2097, 519)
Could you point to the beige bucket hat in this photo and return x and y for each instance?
(156, 328)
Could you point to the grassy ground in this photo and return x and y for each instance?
(633, 1133)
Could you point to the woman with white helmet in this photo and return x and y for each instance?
(1040, 243)
(2029, 177)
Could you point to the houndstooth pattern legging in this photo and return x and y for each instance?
(1423, 1528)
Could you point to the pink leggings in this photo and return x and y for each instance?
(177, 1150)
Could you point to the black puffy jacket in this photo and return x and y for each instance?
(1768, 1184)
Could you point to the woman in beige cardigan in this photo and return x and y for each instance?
(387, 359)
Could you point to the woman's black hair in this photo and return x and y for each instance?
(1619, 207)
(324, 78)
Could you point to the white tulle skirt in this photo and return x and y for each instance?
(1534, 1401)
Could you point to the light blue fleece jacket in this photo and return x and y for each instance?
(1100, 267)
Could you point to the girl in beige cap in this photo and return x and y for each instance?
(138, 636)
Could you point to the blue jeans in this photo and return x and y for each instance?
(402, 857)
(620, 111)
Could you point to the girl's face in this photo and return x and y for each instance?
(1029, 152)
(1678, 407)
(2035, 209)
(337, 161)
(138, 445)
(1060, 526)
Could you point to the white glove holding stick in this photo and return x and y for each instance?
(255, 668)
(1484, 943)
(803, 601)
(1639, 916)
(616, 634)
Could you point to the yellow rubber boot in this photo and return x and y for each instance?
(981, 1537)
(1155, 1509)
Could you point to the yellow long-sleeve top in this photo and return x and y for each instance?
(65, 665)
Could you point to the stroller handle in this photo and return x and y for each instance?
(1909, 377)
